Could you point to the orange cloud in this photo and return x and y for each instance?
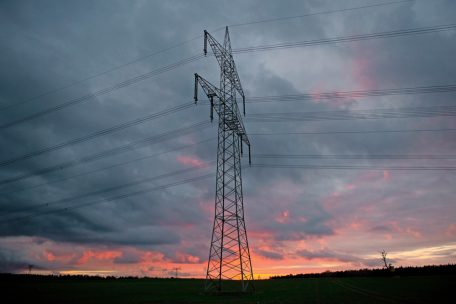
(61, 257)
(49, 256)
(97, 255)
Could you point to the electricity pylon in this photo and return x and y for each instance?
(229, 256)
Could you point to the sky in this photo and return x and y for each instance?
(93, 182)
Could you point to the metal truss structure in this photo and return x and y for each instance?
(229, 255)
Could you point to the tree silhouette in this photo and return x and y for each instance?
(387, 266)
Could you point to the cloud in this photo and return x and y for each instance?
(90, 255)
(190, 161)
(269, 254)
(128, 257)
(10, 264)
(14, 261)
(326, 254)
(355, 213)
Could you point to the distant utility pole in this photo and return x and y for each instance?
(229, 256)
(164, 272)
(176, 269)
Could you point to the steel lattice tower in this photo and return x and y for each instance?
(229, 256)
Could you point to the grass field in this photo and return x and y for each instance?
(413, 289)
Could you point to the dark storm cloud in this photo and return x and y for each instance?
(52, 44)
(9, 262)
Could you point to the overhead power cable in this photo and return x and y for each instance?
(140, 58)
(106, 90)
(99, 133)
(102, 191)
(251, 134)
(106, 168)
(277, 98)
(316, 13)
(355, 156)
(111, 152)
(114, 68)
(353, 94)
(139, 78)
(110, 199)
(341, 39)
(253, 99)
(353, 132)
(407, 112)
(354, 167)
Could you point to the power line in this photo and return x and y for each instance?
(140, 58)
(102, 191)
(118, 150)
(354, 167)
(254, 134)
(341, 39)
(147, 190)
(161, 70)
(106, 90)
(353, 94)
(106, 168)
(296, 97)
(285, 116)
(353, 132)
(317, 13)
(207, 140)
(114, 68)
(99, 133)
(406, 112)
(356, 156)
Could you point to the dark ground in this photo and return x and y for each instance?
(410, 289)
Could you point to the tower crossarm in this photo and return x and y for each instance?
(210, 89)
(216, 100)
(225, 60)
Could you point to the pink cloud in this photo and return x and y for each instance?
(191, 161)
(187, 258)
(400, 228)
(361, 69)
(386, 175)
(282, 217)
(451, 231)
(356, 225)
